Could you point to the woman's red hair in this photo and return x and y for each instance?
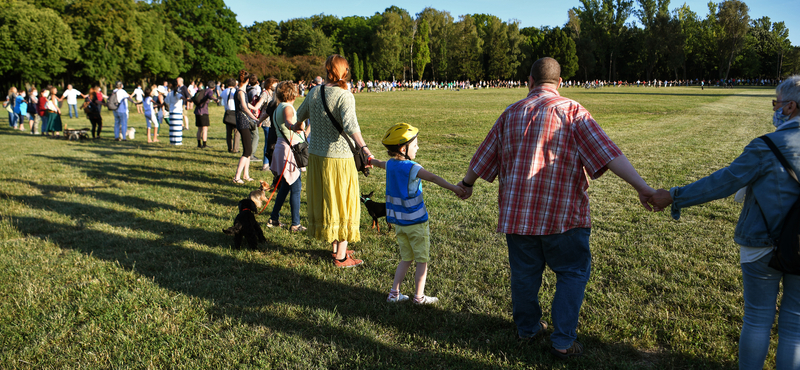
(337, 69)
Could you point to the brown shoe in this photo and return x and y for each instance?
(575, 350)
(539, 334)
(348, 262)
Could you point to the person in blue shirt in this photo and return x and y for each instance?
(405, 208)
(769, 192)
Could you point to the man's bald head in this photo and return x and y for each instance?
(546, 71)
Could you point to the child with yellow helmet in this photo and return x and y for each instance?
(405, 207)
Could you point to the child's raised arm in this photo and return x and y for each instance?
(428, 176)
(377, 163)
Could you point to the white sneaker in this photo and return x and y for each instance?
(399, 298)
(426, 300)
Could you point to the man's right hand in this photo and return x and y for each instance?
(467, 191)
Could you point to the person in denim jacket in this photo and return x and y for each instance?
(769, 194)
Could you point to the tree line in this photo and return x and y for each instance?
(100, 41)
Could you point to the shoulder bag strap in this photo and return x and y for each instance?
(780, 156)
(785, 164)
(335, 122)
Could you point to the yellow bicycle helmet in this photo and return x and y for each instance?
(399, 134)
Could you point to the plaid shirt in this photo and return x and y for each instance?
(540, 147)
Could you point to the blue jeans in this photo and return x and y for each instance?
(12, 119)
(761, 286)
(71, 108)
(266, 138)
(45, 124)
(120, 124)
(294, 200)
(568, 255)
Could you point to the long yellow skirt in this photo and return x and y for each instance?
(334, 203)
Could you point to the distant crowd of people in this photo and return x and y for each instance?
(725, 83)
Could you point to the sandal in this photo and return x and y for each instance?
(540, 333)
(272, 223)
(238, 181)
(249, 179)
(298, 228)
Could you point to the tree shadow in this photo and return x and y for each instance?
(244, 291)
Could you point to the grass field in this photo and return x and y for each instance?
(111, 254)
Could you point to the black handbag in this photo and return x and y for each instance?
(359, 156)
(300, 152)
(229, 118)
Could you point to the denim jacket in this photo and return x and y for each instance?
(771, 191)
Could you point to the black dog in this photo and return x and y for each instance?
(375, 209)
(245, 224)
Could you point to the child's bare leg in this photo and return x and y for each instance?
(400, 273)
(419, 277)
(149, 140)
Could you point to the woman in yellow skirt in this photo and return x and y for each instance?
(332, 191)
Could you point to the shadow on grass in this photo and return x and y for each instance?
(245, 291)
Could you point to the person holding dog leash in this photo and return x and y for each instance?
(283, 161)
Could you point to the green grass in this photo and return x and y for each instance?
(112, 255)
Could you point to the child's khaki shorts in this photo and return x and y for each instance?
(414, 242)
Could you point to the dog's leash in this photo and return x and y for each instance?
(275, 188)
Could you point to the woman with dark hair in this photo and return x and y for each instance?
(244, 117)
(201, 115)
(334, 207)
(267, 97)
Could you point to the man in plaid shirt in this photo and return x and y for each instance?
(542, 148)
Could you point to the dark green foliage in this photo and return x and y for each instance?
(263, 38)
(35, 42)
(211, 37)
(422, 51)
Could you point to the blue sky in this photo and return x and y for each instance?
(529, 13)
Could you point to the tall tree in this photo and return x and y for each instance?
(422, 52)
(210, 34)
(603, 23)
(498, 60)
(355, 34)
(441, 25)
(357, 68)
(109, 39)
(36, 43)
(299, 37)
(654, 16)
(689, 25)
(389, 44)
(734, 19)
(555, 43)
(162, 49)
(465, 51)
(262, 38)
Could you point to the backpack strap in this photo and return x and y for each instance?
(780, 156)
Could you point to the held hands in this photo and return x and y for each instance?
(660, 200)
(466, 190)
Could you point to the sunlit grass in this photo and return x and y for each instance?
(112, 255)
